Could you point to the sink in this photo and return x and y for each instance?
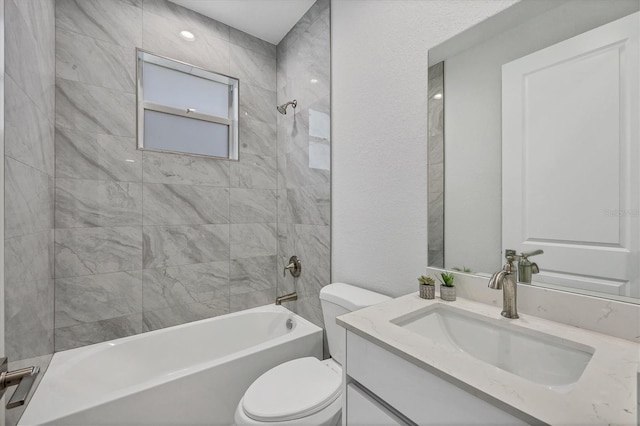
(535, 356)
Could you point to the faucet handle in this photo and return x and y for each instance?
(294, 266)
(531, 253)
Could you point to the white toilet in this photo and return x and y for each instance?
(307, 391)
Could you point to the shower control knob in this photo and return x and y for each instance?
(294, 266)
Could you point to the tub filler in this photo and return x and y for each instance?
(189, 374)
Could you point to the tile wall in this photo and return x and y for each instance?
(304, 158)
(161, 239)
(29, 177)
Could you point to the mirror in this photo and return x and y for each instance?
(533, 144)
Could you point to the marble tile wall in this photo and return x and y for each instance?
(29, 82)
(148, 240)
(436, 165)
(304, 144)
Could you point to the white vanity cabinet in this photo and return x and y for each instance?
(383, 388)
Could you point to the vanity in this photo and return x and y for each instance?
(416, 361)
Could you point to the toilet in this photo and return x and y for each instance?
(307, 391)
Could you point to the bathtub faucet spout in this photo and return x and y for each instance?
(287, 298)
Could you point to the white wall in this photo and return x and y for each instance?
(379, 133)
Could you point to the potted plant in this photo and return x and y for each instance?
(447, 289)
(427, 287)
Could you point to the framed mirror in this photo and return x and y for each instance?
(534, 145)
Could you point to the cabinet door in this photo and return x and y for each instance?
(364, 410)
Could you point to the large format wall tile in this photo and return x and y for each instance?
(254, 171)
(240, 302)
(96, 332)
(29, 258)
(179, 285)
(28, 131)
(92, 298)
(116, 21)
(28, 200)
(258, 138)
(180, 314)
(28, 318)
(190, 205)
(88, 60)
(253, 205)
(252, 67)
(29, 52)
(184, 169)
(87, 251)
(94, 109)
(253, 274)
(183, 245)
(310, 205)
(93, 156)
(253, 239)
(258, 103)
(87, 203)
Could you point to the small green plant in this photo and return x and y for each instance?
(426, 280)
(463, 269)
(447, 279)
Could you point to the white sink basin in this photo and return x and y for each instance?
(541, 358)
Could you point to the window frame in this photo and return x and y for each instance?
(232, 82)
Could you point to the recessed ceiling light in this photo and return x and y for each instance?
(130, 161)
(313, 80)
(187, 35)
(437, 96)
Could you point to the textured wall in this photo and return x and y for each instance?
(379, 105)
(167, 238)
(304, 157)
(29, 177)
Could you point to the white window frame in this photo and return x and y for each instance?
(231, 122)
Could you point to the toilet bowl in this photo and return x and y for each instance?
(307, 391)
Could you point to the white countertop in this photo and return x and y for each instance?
(606, 393)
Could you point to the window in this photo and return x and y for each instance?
(185, 109)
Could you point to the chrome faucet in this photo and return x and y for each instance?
(506, 280)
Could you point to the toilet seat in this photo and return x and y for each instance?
(293, 390)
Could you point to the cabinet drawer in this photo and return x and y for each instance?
(362, 409)
(422, 397)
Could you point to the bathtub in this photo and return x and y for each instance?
(193, 373)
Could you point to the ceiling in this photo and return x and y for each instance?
(269, 20)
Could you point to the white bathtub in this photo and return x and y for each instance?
(193, 373)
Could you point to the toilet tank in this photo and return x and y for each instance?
(338, 299)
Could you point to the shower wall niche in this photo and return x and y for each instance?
(146, 240)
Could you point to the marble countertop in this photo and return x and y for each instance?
(606, 392)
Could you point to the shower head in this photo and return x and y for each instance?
(282, 109)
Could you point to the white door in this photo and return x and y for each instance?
(570, 159)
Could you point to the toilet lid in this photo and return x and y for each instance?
(292, 390)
